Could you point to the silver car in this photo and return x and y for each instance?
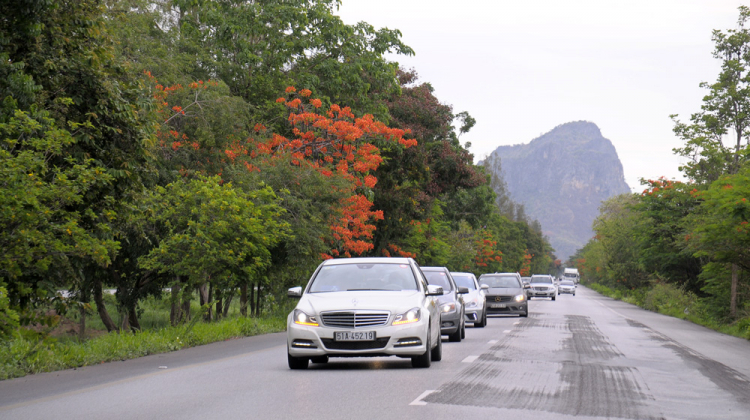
(542, 285)
(452, 308)
(355, 307)
(567, 286)
(474, 300)
(506, 294)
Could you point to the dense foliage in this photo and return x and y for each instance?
(689, 241)
(222, 149)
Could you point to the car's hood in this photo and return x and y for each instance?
(504, 291)
(361, 300)
(473, 294)
(542, 285)
(447, 298)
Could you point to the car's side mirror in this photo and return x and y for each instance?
(484, 287)
(527, 286)
(463, 290)
(294, 292)
(434, 290)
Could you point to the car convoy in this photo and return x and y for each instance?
(387, 306)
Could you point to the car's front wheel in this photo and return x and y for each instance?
(553, 298)
(297, 362)
(455, 337)
(437, 351)
(424, 360)
(482, 321)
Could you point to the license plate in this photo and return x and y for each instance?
(354, 335)
(497, 305)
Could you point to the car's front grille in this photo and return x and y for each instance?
(378, 343)
(354, 319)
(491, 299)
(541, 288)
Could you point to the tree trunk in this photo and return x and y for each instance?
(133, 318)
(252, 299)
(733, 292)
(101, 308)
(228, 302)
(203, 293)
(186, 308)
(209, 313)
(125, 323)
(257, 301)
(219, 305)
(82, 323)
(243, 299)
(175, 312)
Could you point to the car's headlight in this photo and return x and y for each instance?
(473, 303)
(520, 298)
(302, 318)
(412, 315)
(448, 307)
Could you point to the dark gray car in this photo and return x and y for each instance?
(451, 303)
(506, 294)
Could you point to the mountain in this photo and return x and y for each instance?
(561, 178)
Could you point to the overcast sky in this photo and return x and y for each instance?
(523, 67)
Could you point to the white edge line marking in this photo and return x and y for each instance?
(470, 359)
(419, 401)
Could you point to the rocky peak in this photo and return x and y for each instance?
(561, 178)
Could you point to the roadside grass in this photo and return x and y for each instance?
(28, 353)
(670, 300)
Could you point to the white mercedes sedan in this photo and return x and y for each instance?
(355, 307)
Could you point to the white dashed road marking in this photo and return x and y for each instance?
(492, 342)
(506, 331)
(470, 359)
(419, 401)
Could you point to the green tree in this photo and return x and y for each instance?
(714, 137)
(663, 233)
(214, 231)
(618, 247)
(721, 227)
(724, 115)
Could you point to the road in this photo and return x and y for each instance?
(577, 357)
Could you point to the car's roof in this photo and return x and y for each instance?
(462, 273)
(367, 260)
(434, 268)
(501, 274)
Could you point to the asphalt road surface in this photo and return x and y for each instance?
(583, 357)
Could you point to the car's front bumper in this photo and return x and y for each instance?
(474, 315)
(542, 293)
(405, 340)
(571, 291)
(450, 322)
(511, 308)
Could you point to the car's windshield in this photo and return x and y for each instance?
(500, 281)
(463, 280)
(541, 279)
(379, 276)
(566, 283)
(438, 278)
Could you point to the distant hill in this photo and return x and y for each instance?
(561, 178)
